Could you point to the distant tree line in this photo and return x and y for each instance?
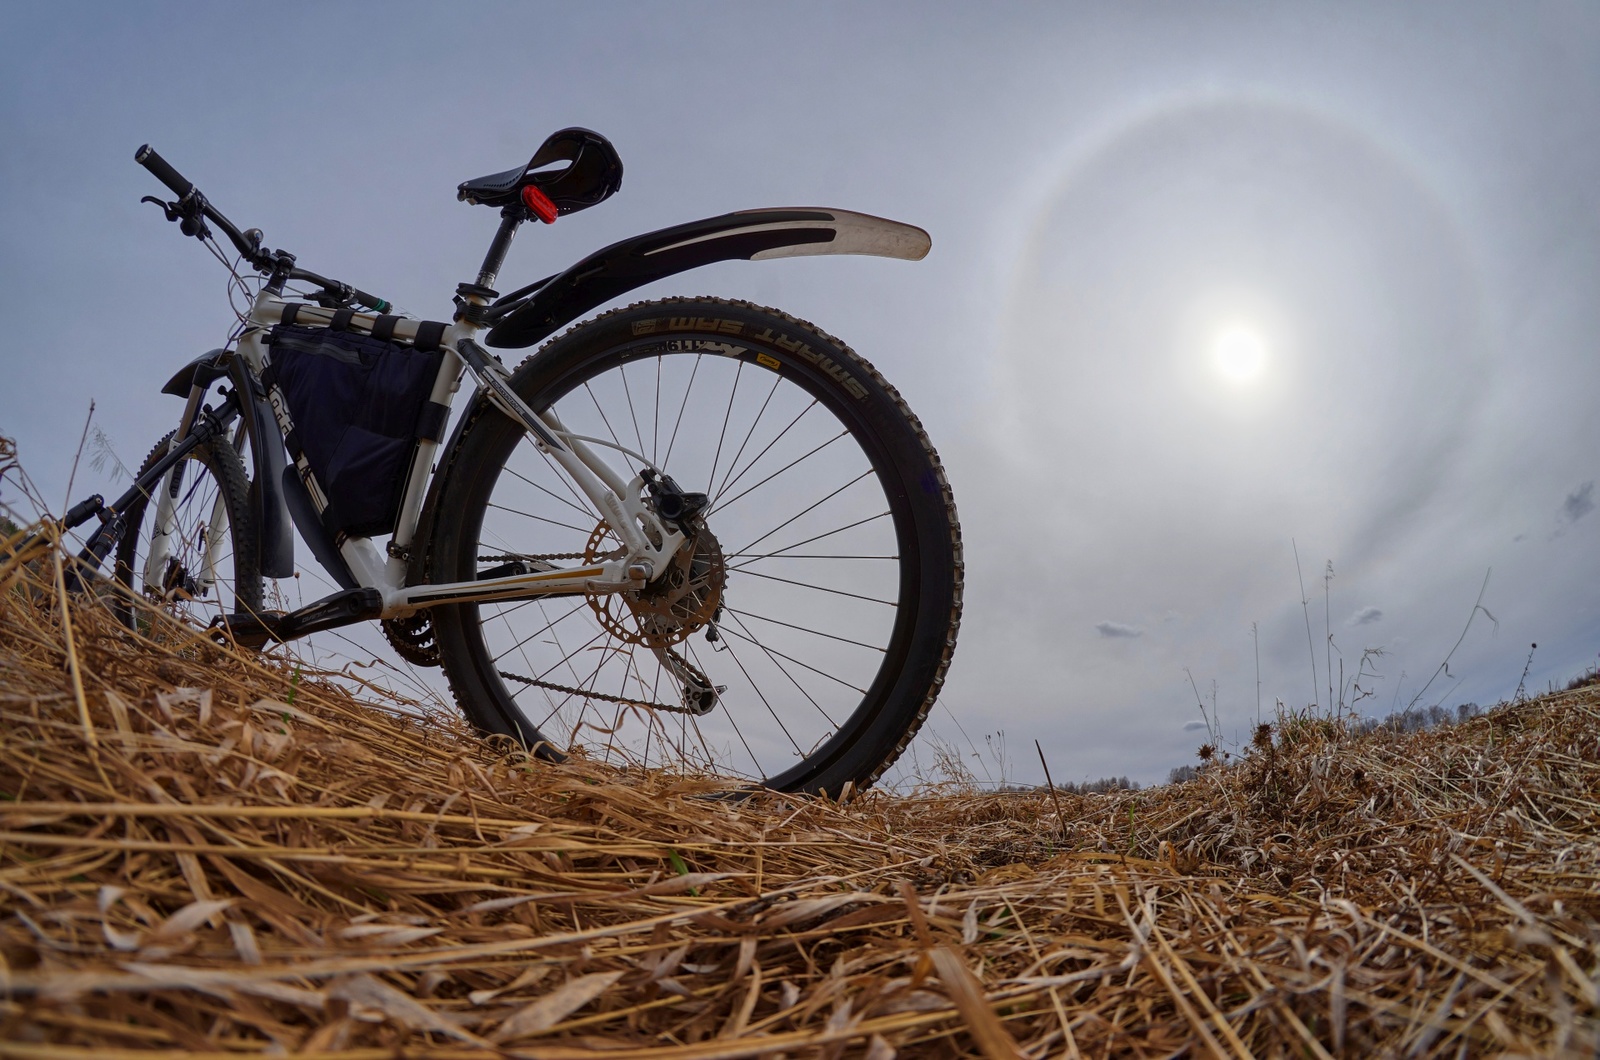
(1099, 787)
(1412, 719)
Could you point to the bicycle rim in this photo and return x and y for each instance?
(808, 624)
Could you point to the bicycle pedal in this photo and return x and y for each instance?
(247, 630)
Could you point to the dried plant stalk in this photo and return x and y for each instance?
(187, 862)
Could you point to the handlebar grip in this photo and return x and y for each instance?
(371, 301)
(147, 157)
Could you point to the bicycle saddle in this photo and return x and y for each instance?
(593, 176)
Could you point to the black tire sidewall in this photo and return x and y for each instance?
(853, 391)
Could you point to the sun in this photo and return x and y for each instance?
(1239, 353)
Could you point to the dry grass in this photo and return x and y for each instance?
(190, 863)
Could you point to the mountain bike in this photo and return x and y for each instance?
(691, 533)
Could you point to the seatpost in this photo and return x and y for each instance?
(471, 298)
(510, 217)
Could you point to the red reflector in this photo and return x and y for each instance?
(540, 204)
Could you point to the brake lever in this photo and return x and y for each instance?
(187, 213)
(168, 208)
(330, 300)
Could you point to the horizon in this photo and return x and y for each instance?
(1218, 296)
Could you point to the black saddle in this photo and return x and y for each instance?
(593, 175)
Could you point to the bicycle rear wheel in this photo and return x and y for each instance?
(821, 595)
(202, 562)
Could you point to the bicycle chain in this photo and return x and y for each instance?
(623, 700)
(512, 558)
(589, 693)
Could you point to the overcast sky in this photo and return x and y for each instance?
(1210, 283)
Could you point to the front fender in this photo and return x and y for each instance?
(202, 372)
(275, 534)
(752, 235)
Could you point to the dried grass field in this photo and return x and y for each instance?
(201, 854)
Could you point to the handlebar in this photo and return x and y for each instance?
(146, 156)
(344, 291)
(192, 204)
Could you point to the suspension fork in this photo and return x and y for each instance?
(164, 525)
(113, 521)
(217, 526)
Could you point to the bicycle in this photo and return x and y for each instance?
(785, 619)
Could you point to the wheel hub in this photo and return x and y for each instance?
(178, 584)
(684, 598)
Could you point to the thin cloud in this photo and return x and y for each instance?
(1118, 629)
(1579, 503)
(1366, 617)
(1193, 726)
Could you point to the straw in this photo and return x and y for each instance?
(347, 877)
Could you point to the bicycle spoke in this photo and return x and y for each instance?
(803, 629)
(774, 657)
(584, 504)
(755, 556)
(757, 458)
(601, 410)
(733, 393)
(806, 510)
(791, 658)
(655, 429)
(542, 629)
(819, 537)
(734, 722)
(634, 416)
(546, 490)
(793, 463)
(821, 588)
(538, 518)
(687, 390)
(764, 702)
(761, 412)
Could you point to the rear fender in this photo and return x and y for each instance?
(751, 235)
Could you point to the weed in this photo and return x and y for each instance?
(1590, 676)
(1305, 607)
(1444, 667)
(1522, 695)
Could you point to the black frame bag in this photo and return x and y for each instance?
(357, 405)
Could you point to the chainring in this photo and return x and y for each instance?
(412, 638)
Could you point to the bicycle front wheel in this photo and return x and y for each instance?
(819, 597)
(189, 547)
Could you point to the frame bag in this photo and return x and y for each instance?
(356, 406)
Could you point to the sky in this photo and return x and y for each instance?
(1253, 336)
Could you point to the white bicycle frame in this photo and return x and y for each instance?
(647, 542)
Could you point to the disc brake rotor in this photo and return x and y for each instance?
(679, 601)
